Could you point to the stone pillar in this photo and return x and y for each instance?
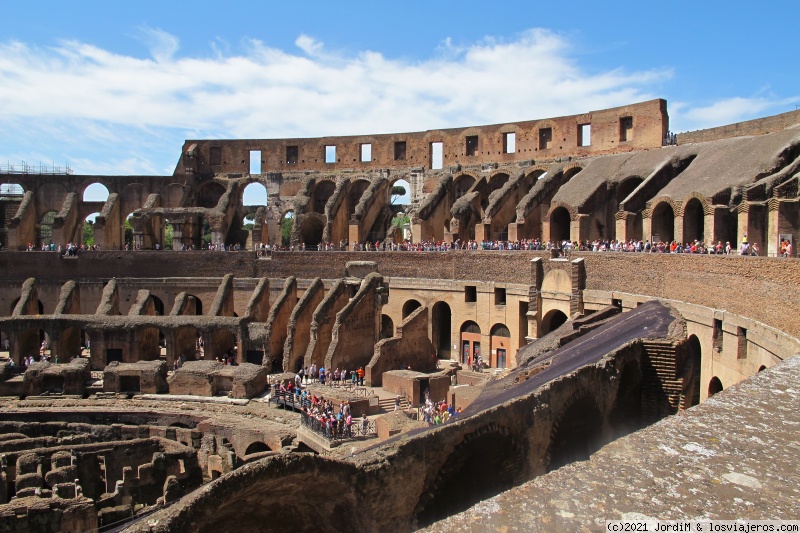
(677, 231)
(753, 223)
(578, 284)
(623, 230)
(534, 297)
(514, 231)
(580, 228)
(483, 232)
(354, 232)
(647, 225)
(783, 218)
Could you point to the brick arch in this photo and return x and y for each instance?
(102, 180)
(704, 201)
(487, 460)
(573, 212)
(577, 430)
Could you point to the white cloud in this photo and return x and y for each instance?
(727, 111)
(83, 94)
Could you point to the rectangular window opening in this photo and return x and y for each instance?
(366, 153)
(470, 294)
(499, 296)
(625, 129)
(215, 155)
(330, 153)
(584, 134)
(509, 143)
(437, 155)
(545, 138)
(717, 335)
(255, 161)
(400, 151)
(472, 145)
(741, 336)
(292, 154)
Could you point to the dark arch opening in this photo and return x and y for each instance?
(462, 185)
(442, 322)
(554, 319)
(209, 195)
(355, 193)
(196, 303)
(714, 386)
(626, 188)
(409, 307)
(578, 433)
(322, 192)
(470, 327)
(256, 447)
(625, 416)
(690, 373)
(470, 475)
(497, 182)
(311, 230)
(158, 305)
(387, 327)
(663, 223)
(560, 225)
(762, 367)
(693, 221)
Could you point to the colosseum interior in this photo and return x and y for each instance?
(146, 379)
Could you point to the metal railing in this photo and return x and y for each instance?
(336, 429)
(25, 168)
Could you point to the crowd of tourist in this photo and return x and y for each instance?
(565, 246)
(438, 413)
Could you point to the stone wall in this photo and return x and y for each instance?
(535, 139)
(759, 126)
(409, 347)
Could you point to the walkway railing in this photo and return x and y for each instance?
(334, 429)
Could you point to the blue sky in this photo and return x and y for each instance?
(115, 87)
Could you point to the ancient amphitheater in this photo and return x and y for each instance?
(119, 410)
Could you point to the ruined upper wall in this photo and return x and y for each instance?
(620, 129)
(758, 126)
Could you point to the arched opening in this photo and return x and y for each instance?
(11, 195)
(222, 346)
(554, 319)
(255, 195)
(311, 230)
(663, 223)
(357, 189)
(96, 192)
(462, 184)
(625, 416)
(485, 463)
(238, 233)
(148, 348)
(693, 221)
(690, 373)
(500, 343)
(168, 236)
(256, 447)
(387, 327)
(762, 367)
(577, 433)
(46, 228)
(287, 225)
(5, 345)
(496, 182)
(209, 194)
(714, 386)
(409, 307)
(626, 187)
(441, 334)
(560, 222)
(322, 192)
(87, 235)
(470, 342)
(194, 305)
(127, 236)
(398, 197)
(187, 345)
